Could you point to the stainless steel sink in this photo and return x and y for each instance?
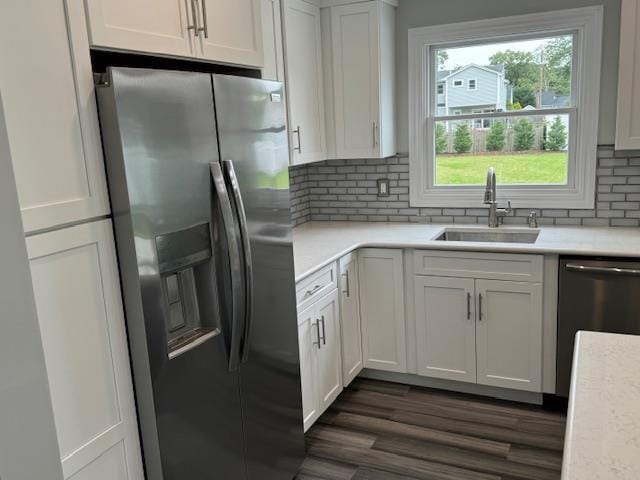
(492, 236)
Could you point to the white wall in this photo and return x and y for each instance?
(421, 13)
(28, 444)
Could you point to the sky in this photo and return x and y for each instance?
(480, 54)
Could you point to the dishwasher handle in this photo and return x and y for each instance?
(602, 270)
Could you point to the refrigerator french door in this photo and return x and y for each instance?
(198, 178)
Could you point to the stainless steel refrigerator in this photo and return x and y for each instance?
(198, 178)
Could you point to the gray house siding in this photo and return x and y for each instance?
(485, 93)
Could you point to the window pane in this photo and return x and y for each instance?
(522, 74)
(529, 150)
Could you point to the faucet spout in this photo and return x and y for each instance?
(490, 190)
(491, 199)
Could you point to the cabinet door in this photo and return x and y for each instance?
(273, 68)
(304, 82)
(509, 334)
(350, 318)
(152, 26)
(445, 327)
(380, 272)
(329, 354)
(77, 294)
(232, 31)
(628, 117)
(47, 87)
(356, 63)
(308, 338)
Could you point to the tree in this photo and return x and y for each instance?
(556, 136)
(520, 68)
(441, 139)
(462, 139)
(524, 96)
(524, 135)
(495, 139)
(442, 56)
(557, 55)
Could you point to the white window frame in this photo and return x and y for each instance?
(585, 24)
(439, 87)
(475, 84)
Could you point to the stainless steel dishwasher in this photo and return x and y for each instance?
(601, 295)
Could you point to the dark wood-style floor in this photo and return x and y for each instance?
(386, 431)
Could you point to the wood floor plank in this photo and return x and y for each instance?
(382, 431)
(499, 434)
(463, 458)
(326, 469)
(381, 387)
(343, 404)
(418, 405)
(535, 457)
(343, 436)
(372, 474)
(388, 427)
(420, 469)
(487, 405)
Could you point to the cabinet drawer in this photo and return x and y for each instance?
(316, 285)
(498, 266)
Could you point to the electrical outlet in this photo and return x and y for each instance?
(383, 187)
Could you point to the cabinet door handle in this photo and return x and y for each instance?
(468, 306)
(317, 325)
(324, 331)
(480, 316)
(194, 15)
(375, 134)
(205, 24)
(346, 277)
(299, 147)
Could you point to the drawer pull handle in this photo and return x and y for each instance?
(317, 325)
(480, 316)
(468, 306)
(308, 293)
(324, 331)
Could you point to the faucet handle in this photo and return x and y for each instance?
(508, 209)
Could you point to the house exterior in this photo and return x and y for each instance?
(472, 89)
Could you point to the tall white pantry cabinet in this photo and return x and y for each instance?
(47, 86)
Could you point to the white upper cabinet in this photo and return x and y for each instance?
(303, 54)
(350, 318)
(273, 68)
(77, 293)
(628, 119)
(509, 334)
(445, 327)
(363, 79)
(226, 31)
(381, 276)
(230, 31)
(47, 87)
(152, 26)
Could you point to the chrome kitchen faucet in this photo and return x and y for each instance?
(495, 213)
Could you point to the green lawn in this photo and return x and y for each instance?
(511, 168)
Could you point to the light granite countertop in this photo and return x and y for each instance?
(316, 244)
(603, 423)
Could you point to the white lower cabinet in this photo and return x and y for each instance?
(320, 359)
(77, 293)
(446, 330)
(480, 331)
(381, 276)
(350, 318)
(509, 334)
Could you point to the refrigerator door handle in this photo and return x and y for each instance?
(234, 263)
(246, 247)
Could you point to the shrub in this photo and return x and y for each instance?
(441, 138)
(462, 139)
(524, 135)
(556, 136)
(495, 139)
